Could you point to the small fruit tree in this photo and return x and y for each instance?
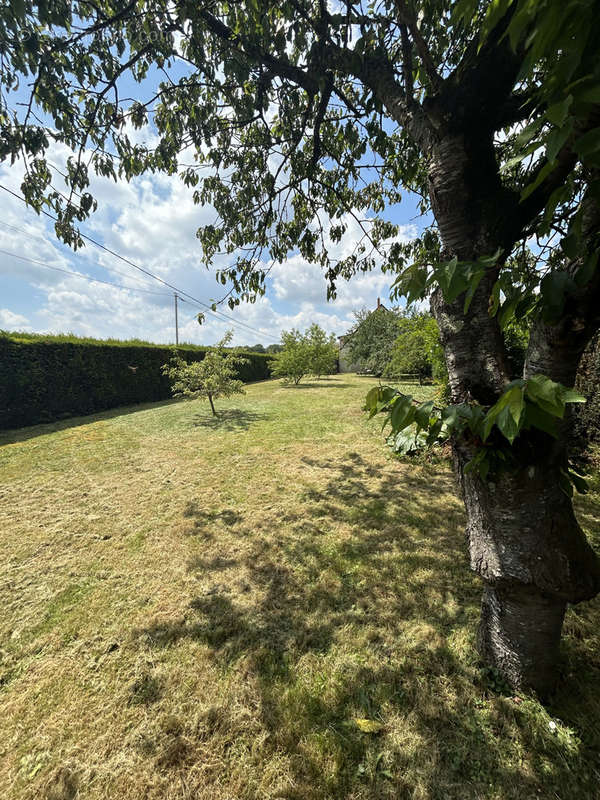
(213, 377)
(310, 353)
(323, 351)
(294, 361)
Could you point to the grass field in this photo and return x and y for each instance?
(201, 608)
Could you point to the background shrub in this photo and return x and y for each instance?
(44, 378)
(586, 421)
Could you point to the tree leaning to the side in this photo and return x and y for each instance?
(299, 112)
(213, 377)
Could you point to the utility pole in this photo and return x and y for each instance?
(176, 324)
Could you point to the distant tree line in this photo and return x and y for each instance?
(394, 342)
(260, 348)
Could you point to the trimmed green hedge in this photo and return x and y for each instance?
(49, 378)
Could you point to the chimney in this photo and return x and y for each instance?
(378, 303)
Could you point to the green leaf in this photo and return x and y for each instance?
(479, 463)
(507, 414)
(385, 395)
(496, 10)
(464, 10)
(18, 7)
(554, 289)
(522, 154)
(557, 113)
(371, 400)
(541, 177)
(589, 143)
(536, 417)
(423, 414)
(475, 281)
(586, 271)
(571, 396)
(508, 309)
(589, 95)
(451, 419)
(494, 299)
(411, 283)
(409, 441)
(570, 245)
(556, 140)
(434, 432)
(403, 413)
(547, 394)
(511, 416)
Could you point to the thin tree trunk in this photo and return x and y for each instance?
(212, 405)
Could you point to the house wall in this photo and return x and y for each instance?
(345, 361)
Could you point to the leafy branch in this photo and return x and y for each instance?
(536, 403)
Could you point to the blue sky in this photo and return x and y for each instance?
(153, 221)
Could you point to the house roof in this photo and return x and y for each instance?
(380, 307)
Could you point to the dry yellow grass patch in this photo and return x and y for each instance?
(200, 608)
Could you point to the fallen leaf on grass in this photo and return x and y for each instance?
(369, 725)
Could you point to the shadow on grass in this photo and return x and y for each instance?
(322, 384)
(228, 419)
(14, 435)
(358, 602)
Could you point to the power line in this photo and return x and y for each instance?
(81, 275)
(34, 236)
(147, 272)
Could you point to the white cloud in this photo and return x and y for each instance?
(9, 321)
(153, 221)
(299, 282)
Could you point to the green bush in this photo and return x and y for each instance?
(48, 378)
(587, 416)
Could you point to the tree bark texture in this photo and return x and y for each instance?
(523, 538)
(525, 543)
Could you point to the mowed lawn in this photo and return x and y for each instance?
(201, 608)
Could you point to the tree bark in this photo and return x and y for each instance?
(525, 543)
(519, 634)
(524, 540)
(212, 405)
(555, 348)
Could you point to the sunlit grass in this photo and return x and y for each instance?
(201, 608)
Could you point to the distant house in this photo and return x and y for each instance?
(344, 358)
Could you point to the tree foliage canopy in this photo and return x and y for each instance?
(292, 113)
(323, 351)
(417, 348)
(291, 118)
(308, 353)
(292, 363)
(213, 377)
(371, 340)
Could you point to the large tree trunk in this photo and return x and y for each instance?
(523, 538)
(533, 557)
